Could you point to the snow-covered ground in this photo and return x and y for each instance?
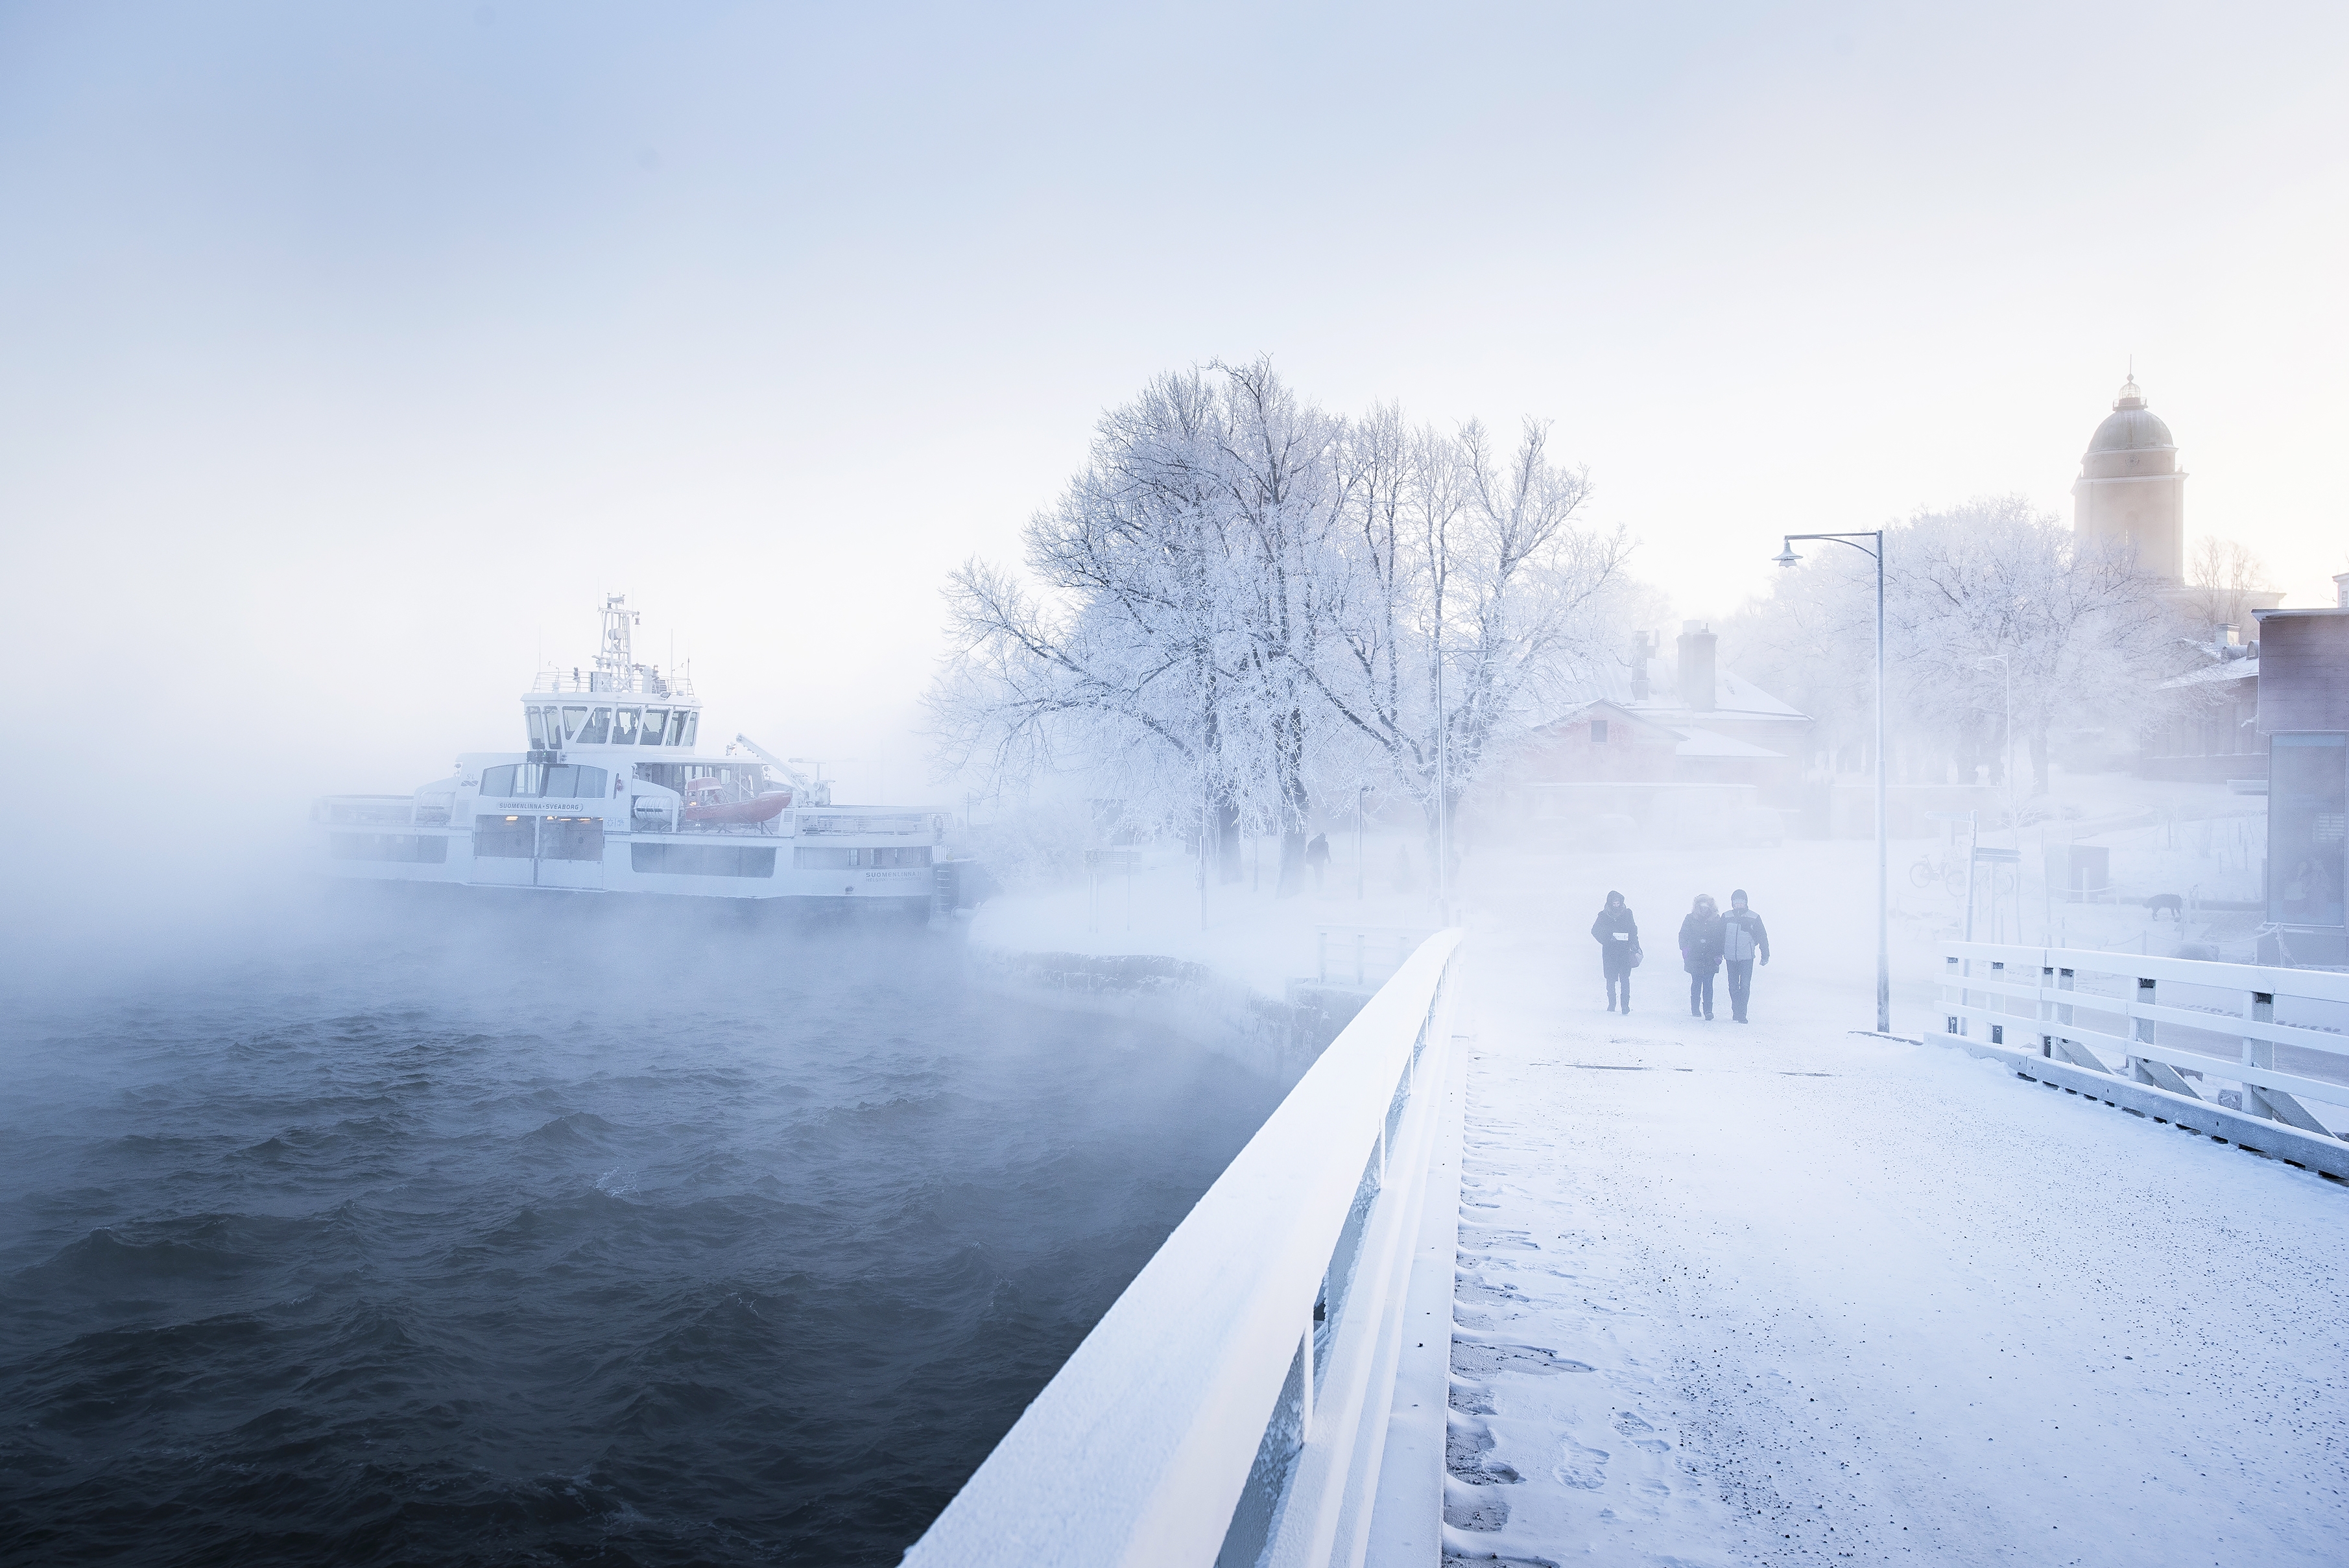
(1780, 1292)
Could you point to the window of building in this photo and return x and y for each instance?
(2308, 797)
(597, 728)
(1597, 732)
(702, 859)
(656, 729)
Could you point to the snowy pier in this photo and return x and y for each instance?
(1781, 1292)
(1721, 1293)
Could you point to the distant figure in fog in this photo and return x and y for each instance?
(1317, 857)
(1618, 936)
(1743, 937)
(1701, 954)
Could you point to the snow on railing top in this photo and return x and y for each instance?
(2321, 984)
(1139, 1448)
(2280, 1033)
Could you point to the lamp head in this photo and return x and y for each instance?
(1786, 556)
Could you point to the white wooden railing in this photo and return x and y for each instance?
(1234, 1405)
(2279, 1033)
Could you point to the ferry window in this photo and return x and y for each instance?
(624, 726)
(571, 839)
(806, 859)
(677, 728)
(700, 860)
(562, 779)
(656, 725)
(593, 781)
(498, 780)
(692, 723)
(505, 838)
(574, 719)
(538, 729)
(599, 725)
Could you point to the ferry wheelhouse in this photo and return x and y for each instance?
(612, 795)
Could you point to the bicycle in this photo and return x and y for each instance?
(1945, 869)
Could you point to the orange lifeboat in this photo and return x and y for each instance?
(728, 813)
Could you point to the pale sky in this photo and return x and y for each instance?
(350, 355)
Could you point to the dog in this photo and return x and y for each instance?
(2169, 901)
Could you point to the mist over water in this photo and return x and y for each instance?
(532, 1232)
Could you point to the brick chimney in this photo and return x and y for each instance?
(1696, 666)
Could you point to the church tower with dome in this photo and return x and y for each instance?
(2131, 488)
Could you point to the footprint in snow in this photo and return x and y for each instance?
(1582, 1466)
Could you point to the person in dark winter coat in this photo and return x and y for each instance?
(1742, 938)
(1618, 936)
(1317, 857)
(1701, 954)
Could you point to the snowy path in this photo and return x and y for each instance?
(1778, 1292)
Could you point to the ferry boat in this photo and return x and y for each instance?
(611, 795)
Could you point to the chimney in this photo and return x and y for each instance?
(1643, 646)
(2341, 590)
(1696, 666)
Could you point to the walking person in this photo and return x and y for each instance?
(1618, 936)
(1743, 937)
(1317, 857)
(1701, 954)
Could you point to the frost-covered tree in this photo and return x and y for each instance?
(2220, 579)
(1243, 603)
(1472, 598)
(1123, 661)
(2082, 630)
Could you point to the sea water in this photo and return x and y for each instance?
(530, 1233)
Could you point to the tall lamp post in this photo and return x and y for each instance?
(2006, 737)
(1786, 557)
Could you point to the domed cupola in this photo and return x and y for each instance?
(2130, 490)
(2131, 428)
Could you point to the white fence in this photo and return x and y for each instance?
(2171, 1022)
(1234, 1405)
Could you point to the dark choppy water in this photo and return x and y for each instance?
(554, 1239)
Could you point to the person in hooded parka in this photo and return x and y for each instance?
(1701, 936)
(1618, 936)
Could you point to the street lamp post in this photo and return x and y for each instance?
(2006, 737)
(1786, 557)
(1361, 790)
